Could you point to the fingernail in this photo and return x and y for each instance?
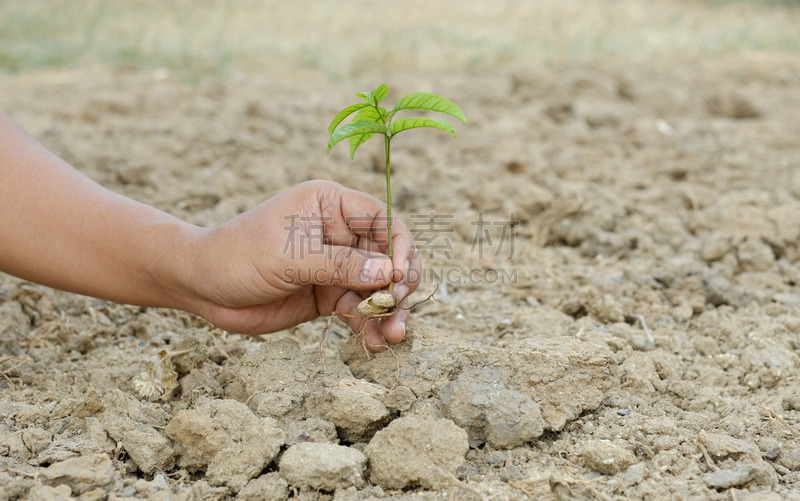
(376, 348)
(403, 326)
(401, 291)
(373, 269)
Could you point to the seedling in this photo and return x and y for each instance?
(370, 119)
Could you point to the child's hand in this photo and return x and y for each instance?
(309, 251)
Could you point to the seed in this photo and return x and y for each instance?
(378, 303)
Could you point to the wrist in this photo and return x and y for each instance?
(176, 274)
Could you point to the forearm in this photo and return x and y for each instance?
(59, 228)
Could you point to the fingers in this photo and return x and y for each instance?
(356, 233)
(376, 332)
(355, 219)
(407, 271)
(393, 329)
(347, 267)
(348, 304)
(351, 216)
(406, 260)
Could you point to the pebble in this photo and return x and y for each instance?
(607, 457)
(47, 493)
(226, 440)
(81, 474)
(268, 487)
(479, 402)
(759, 474)
(160, 482)
(416, 450)
(324, 467)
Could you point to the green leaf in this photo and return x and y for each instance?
(379, 93)
(412, 123)
(354, 129)
(375, 96)
(430, 102)
(358, 140)
(344, 114)
(368, 114)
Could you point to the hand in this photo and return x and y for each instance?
(299, 255)
(309, 251)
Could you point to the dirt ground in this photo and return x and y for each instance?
(617, 254)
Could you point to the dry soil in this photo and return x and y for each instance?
(624, 323)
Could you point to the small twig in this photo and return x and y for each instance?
(397, 373)
(3, 372)
(179, 477)
(216, 342)
(452, 481)
(525, 488)
(322, 341)
(547, 219)
(173, 354)
(641, 320)
(22, 472)
(776, 419)
(555, 481)
(709, 460)
(119, 450)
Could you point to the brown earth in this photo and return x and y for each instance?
(638, 337)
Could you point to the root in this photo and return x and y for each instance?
(375, 314)
(429, 298)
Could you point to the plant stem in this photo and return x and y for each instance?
(389, 204)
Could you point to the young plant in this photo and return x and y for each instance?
(370, 119)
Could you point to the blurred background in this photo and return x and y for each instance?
(355, 37)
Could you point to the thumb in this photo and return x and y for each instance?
(350, 268)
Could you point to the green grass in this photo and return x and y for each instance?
(204, 36)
